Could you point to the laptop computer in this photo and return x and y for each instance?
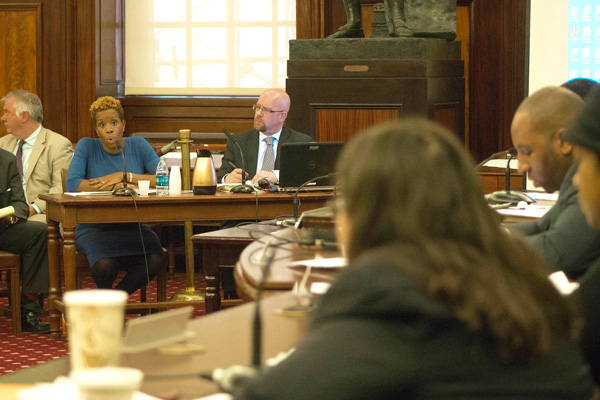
(301, 162)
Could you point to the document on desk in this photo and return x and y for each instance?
(531, 211)
(327, 263)
(100, 193)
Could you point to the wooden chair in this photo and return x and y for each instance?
(10, 264)
(82, 266)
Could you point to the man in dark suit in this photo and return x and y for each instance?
(270, 112)
(28, 238)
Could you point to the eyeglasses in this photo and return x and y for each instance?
(258, 108)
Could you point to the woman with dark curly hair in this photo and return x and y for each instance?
(97, 165)
(438, 301)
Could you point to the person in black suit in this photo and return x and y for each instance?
(28, 238)
(584, 134)
(438, 301)
(270, 112)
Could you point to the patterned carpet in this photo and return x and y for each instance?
(26, 349)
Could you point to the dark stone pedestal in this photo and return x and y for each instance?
(340, 86)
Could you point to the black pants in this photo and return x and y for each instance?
(30, 240)
(105, 270)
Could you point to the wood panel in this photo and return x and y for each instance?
(20, 48)
(170, 114)
(334, 123)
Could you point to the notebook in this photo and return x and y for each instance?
(301, 162)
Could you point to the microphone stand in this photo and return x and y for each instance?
(507, 195)
(297, 199)
(123, 191)
(242, 188)
(230, 379)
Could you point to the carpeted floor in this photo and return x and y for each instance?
(26, 349)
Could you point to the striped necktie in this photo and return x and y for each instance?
(269, 159)
(20, 158)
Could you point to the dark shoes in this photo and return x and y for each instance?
(31, 311)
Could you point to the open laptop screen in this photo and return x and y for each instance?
(301, 162)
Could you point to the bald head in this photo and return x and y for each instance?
(273, 106)
(278, 98)
(550, 109)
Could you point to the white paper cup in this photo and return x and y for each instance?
(144, 187)
(108, 383)
(94, 327)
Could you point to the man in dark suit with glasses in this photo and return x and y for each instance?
(260, 145)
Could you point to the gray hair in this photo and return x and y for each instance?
(27, 101)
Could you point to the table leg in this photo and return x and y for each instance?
(210, 264)
(54, 293)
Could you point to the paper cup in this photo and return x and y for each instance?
(109, 383)
(144, 187)
(94, 327)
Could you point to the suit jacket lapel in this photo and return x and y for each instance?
(38, 147)
(252, 153)
(10, 144)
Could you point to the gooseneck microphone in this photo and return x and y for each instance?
(242, 188)
(507, 195)
(123, 191)
(232, 378)
(495, 155)
(297, 198)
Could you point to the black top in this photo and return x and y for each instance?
(377, 335)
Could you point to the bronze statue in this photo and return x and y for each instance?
(405, 18)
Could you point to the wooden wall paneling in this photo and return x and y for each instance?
(110, 57)
(85, 91)
(54, 71)
(205, 115)
(335, 122)
(310, 19)
(497, 72)
(20, 48)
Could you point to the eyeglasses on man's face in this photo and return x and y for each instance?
(265, 110)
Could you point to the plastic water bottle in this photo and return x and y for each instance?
(162, 178)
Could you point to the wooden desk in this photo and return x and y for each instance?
(71, 210)
(222, 248)
(226, 337)
(248, 274)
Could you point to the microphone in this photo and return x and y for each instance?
(123, 191)
(167, 148)
(495, 155)
(242, 188)
(507, 195)
(297, 198)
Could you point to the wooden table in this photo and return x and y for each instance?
(282, 277)
(227, 340)
(70, 210)
(222, 248)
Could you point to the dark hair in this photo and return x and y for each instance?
(409, 186)
(581, 86)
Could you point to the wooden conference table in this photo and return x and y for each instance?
(222, 339)
(70, 210)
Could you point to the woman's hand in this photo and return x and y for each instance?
(107, 182)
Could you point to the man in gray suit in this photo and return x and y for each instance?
(260, 145)
(41, 154)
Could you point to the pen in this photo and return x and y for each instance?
(232, 164)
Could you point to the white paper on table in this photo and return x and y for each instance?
(334, 262)
(531, 211)
(501, 163)
(562, 283)
(63, 388)
(101, 193)
(543, 195)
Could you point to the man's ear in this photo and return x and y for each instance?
(565, 148)
(24, 116)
